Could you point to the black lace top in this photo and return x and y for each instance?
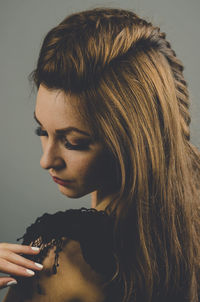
(93, 229)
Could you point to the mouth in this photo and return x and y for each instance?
(61, 181)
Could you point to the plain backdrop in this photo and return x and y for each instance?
(27, 191)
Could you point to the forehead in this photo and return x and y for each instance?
(59, 109)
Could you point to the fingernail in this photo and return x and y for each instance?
(11, 283)
(34, 248)
(30, 272)
(39, 265)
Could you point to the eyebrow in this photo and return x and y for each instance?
(64, 130)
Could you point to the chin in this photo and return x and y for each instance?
(73, 194)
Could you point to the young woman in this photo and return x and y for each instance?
(113, 114)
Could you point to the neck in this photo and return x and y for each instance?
(100, 201)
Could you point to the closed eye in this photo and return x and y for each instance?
(84, 145)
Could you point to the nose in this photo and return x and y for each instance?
(51, 157)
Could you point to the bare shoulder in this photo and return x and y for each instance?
(74, 281)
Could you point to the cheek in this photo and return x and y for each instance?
(88, 167)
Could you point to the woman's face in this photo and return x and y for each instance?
(70, 154)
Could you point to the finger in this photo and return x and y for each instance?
(7, 281)
(19, 260)
(19, 248)
(14, 269)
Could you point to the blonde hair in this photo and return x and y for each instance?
(132, 92)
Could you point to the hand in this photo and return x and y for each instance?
(14, 264)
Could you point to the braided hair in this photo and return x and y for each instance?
(132, 93)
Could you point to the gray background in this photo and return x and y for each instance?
(26, 190)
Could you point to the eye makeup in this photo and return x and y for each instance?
(83, 145)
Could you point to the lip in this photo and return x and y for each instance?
(61, 181)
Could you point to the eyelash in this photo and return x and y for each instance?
(84, 146)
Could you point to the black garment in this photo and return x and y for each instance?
(93, 229)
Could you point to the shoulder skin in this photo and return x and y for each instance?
(74, 281)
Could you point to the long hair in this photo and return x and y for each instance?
(132, 93)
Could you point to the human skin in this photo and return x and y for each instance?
(90, 169)
(12, 263)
